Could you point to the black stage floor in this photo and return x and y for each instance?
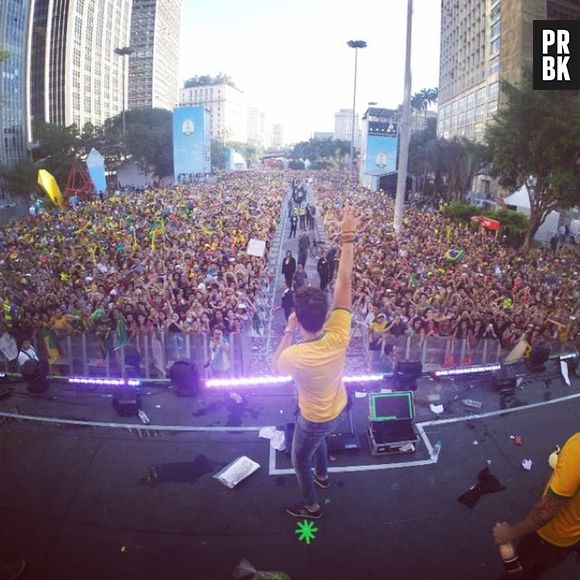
(84, 502)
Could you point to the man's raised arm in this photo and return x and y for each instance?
(343, 286)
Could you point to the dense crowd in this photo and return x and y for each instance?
(445, 279)
(169, 260)
(174, 261)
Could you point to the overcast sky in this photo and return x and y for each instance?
(291, 57)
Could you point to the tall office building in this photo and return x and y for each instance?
(256, 126)
(277, 136)
(228, 109)
(73, 73)
(343, 126)
(483, 42)
(153, 66)
(13, 27)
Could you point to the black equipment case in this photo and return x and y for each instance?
(391, 427)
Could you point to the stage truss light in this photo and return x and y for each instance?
(104, 382)
(275, 380)
(467, 370)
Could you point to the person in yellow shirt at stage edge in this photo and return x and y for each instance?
(551, 530)
(317, 366)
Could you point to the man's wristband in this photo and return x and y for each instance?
(287, 331)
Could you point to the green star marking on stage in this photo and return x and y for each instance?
(306, 531)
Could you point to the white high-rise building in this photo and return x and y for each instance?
(73, 74)
(228, 109)
(277, 136)
(256, 126)
(343, 126)
(153, 66)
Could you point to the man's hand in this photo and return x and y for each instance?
(292, 324)
(348, 225)
(503, 533)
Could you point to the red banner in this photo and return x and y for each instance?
(486, 222)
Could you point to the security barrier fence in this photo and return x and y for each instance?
(150, 355)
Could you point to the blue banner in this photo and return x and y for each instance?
(381, 154)
(96, 167)
(191, 143)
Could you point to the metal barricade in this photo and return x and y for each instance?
(150, 355)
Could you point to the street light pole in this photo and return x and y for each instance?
(356, 44)
(123, 52)
(405, 130)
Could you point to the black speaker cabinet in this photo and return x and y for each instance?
(126, 401)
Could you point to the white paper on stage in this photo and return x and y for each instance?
(277, 438)
(256, 248)
(564, 369)
(237, 471)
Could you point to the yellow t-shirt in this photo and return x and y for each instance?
(317, 367)
(564, 529)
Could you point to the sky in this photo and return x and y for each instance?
(291, 58)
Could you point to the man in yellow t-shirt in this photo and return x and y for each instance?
(317, 366)
(552, 529)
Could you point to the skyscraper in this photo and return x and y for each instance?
(343, 126)
(13, 26)
(256, 126)
(153, 67)
(73, 73)
(227, 105)
(483, 42)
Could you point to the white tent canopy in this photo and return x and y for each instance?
(520, 198)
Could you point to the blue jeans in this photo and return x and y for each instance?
(310, 441)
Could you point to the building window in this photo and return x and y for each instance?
(493, 92)
(495, 29)
(495, 46)
(494, 67)
(470, 100)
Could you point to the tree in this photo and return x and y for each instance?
(208, 80)
(4, 54)
(148, 141)
(535, 143)
(421, 100)
(58, 147)
(219, 155)
(452, 163)
(332, 151)
(20, 178)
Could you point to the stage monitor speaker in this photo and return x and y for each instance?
(184, 378)
(538, 358)
(406, 374)
(126, 401)
(505, 381)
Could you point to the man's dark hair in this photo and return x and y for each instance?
(311, 307)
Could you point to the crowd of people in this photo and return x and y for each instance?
(166, 260)
(445, 279)
(174, 261)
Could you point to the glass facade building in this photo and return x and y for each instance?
(74, 75)
(153, 66)
(13, 31)
(482, 43)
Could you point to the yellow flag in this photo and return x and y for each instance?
(521, 350)
(47, 181)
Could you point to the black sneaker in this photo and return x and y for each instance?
(323, 483)
(301, 511)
